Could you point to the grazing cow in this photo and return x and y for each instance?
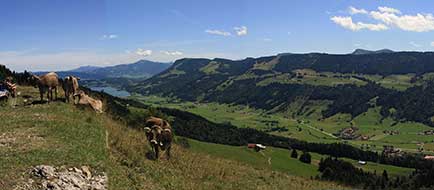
(84, 99)
(159, 134)
(150, 135)
(70, 86)
(46, 83)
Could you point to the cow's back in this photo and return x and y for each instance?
(152, 121)
(50, 80)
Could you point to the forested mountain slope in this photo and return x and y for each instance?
(353, 82)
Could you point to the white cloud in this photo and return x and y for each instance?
(172, 53)
(267, 39)
(389, 17)
(389, 10)
(414, 44)
(241, 31)
(432, 44)
(415, 23)
(354, 11)
(109, 36)
(218, 32)
(347, 22)
(143, 52)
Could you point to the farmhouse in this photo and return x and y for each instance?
(348, 133)
(257, 147)
(391, 150)
(362, 162)
(429, 132)
(428, 157)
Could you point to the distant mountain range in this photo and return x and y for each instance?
(85, 69)
(139, 69)
(364, 52)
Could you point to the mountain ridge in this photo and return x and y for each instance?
(274, 82)
(364, 51)
(138, 69)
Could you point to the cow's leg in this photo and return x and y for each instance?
(41, 93)
(168, 151)
(74, 97)
(49, 94)
(157, 151)
(55, 92)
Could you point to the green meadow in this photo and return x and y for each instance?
(305, 123)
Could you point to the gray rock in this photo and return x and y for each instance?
(51, 178)
(43, 171)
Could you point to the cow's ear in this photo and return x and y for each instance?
(78, 78)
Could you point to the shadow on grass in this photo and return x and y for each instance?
(150, 155)
(45, 101)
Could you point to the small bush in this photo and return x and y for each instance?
(306, 158)
(294, 153)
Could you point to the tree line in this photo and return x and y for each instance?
(334, 169)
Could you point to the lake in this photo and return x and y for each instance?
(112, 91)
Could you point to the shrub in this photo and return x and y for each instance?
(306, 158)
(294, 153)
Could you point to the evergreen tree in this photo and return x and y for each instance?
(306, 158)
(294, 153)
(385, 176)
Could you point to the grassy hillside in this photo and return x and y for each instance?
(303, 121)
(61, 134)
(350, 84)
(279, 159)
(51, 134)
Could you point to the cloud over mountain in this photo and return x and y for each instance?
(388, 17)
(347, 22)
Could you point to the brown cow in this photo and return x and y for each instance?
(159, 134)
(70, 86)
(46, 83)
(84, 99)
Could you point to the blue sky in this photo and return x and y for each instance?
(61, 35)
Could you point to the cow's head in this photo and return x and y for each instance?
(147, 129)
(34, 80)
(157, 129)
(80, 94)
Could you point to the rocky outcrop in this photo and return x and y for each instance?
(45, 177)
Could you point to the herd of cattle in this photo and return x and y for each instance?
(50, 82)
(158, 131)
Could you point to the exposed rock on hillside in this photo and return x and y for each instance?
(45, 177)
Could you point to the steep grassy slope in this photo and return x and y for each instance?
(51, 134)
(61, 134)
(279, 159)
